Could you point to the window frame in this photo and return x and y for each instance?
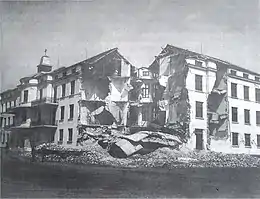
(199, 113)
(246, 94)
(234, 140)
(63, 90)
(61, 132)
(72, 87)
(247, 114)
(198, 82)
(257, 95)
(146, 91)
(62, 113)
(247, 142)
(70, 135)
(233, 90)
(71, 111)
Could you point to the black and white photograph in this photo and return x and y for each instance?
(130, 98)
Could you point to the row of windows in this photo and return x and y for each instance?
(7, 121)
(245, 75)
(234, 111)
(63, 89)
(71, 112)
(61, 136)
(64, 74)
(247, 138)
(246, 92)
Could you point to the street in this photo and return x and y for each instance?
(21, 178)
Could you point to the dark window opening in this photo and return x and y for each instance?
(25, 96)
(233, 72)
(198, 63)
(41, 93)
(258, 117)
(258, 140)
(247, 116)
(62, 112)
(257, 79)
(72, 87)
(245, 75)
(63, 90)
(235, 139)
(198, 82)
(257, 95)
(247, 140)
(145, 91)
(70, 135)
(246, 93)
(233, 90)
(61, 136)
(71, 111)
(55, 94)
(199, 109)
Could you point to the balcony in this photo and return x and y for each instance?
(50, 124)
(45, 101)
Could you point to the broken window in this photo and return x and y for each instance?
(145, 91)
(234, 139)
(233, 72)
(257, 117)
(70, 135)
(257, 95)
(72, 87)
(25, 96)
(199, 109)
(71, 111)
(246, 93)
(198, 82)
(61, 136)
(63, 90)
(62, 113)
(247, 116)
(234, 114)
(233, 90)
(247, 140)
(245, 75)
(258, 140)
(145, 73)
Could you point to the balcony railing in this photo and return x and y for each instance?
(45, 100)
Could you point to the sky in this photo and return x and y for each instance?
(74, 30)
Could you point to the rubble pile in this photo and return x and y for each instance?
(160, 158)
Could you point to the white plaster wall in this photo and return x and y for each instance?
(240, 127)
(68, 124)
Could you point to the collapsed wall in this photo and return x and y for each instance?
(218, 108)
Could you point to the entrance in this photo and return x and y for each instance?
(199, 139)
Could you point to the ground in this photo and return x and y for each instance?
(21, 178)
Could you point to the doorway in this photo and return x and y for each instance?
(199, 139)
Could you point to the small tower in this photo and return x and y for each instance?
(45, 65)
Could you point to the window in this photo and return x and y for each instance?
(24, 116)
(4, 122)
(199, 109)
(257, 117)
(245, 75)
(246, 93)
(3, 141)
(145, 113)
(71, 111)
(145, 91)
(247, 140)
(247, 116)
(64, 73)
(257, 79)
(25, 96)
(198, 82)
(55, 93)
(234, 139)
(41, 93)
(70, 136)
(234, 114)
(62, 112)
(2, 108)
(63, 90)
(61, 136)
(13, 120)
(72, 87)
(9, 121)
(145, 73)
(233, 90)
(258, 141)
(73, 70)
(198, 63)
(10, 104)
(257, 95)
(233, 72)
(14, 103)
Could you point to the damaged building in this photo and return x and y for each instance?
(198, 95)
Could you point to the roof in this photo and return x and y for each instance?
(202, 56)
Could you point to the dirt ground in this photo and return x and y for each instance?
(21, 178)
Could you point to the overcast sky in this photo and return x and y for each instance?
(227, 29)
